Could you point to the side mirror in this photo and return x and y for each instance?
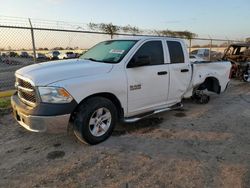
(139, 61)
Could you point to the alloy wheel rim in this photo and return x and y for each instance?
(100, 122)
(246, 76)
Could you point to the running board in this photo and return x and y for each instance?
(144, 115)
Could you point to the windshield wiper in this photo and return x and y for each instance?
(101, 61)
(91, 59)
(105, 61)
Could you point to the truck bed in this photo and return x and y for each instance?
(219, 70)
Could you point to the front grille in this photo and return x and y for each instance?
(26, 91)
(24, 84)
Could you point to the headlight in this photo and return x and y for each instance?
(54, 95)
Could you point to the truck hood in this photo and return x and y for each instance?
(43, 74)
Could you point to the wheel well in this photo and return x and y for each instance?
(211, 84)
(109, 96)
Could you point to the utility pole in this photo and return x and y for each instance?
(190, 45)
(210, 47)
(33, 41)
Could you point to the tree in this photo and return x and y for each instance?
(93, 26)
(106, 28)
(130, 29)
(112, 29)
(186, 34)
(109, 28)
(68, 48)
(58, 48)
(182, 34)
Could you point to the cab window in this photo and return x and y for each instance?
(175, 52)
(152, 50)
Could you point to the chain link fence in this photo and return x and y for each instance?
(25, 42)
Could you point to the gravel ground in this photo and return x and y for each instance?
(198, 146)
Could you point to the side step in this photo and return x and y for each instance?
(147, 114)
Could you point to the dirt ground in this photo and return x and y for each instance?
(198, 146)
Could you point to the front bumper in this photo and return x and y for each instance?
(37, 119)
(42, 123)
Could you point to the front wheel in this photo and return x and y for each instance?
(95, 120)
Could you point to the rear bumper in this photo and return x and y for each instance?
(42, 118)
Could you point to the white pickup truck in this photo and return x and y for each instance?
(123, 79)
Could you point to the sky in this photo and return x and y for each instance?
(210, 18)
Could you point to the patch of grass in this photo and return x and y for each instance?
(5, 102)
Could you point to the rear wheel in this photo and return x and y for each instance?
(95, 120)
(246, 76)
(200, 98)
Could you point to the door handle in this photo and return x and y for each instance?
(184, 70)
(162, 73)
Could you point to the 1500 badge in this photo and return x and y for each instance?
(135, 87)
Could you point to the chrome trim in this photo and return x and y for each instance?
(25, 79)
(44, 123)
(25, 101)
(25, 89)
(135, 119)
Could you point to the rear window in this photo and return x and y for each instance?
(175, 52)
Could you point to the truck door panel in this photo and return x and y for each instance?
(180, 71)
(148, 85)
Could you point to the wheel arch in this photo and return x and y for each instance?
(110, 96)
(211, 84)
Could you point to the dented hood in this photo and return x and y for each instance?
(43, 74)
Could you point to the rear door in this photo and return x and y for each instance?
(148, 84)
(180, 70)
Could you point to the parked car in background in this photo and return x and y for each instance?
(54, 55)
(12, 54)
(195, 58)
(78, 55)
(25, 55)
(3, 54)
(67, 55)
(41, 56)
(205, 54)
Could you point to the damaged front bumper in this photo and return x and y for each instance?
(43, 117)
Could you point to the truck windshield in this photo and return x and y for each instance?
(111, 51)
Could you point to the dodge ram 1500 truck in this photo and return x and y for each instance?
(123, 79)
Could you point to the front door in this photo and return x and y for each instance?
(148, 84)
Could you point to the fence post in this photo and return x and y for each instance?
(33, 41)
(190, 45)
(210, 48)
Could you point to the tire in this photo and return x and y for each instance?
(95, 120)
(201, 99)
(246, 76)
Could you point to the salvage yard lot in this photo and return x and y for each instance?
(198, 146)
